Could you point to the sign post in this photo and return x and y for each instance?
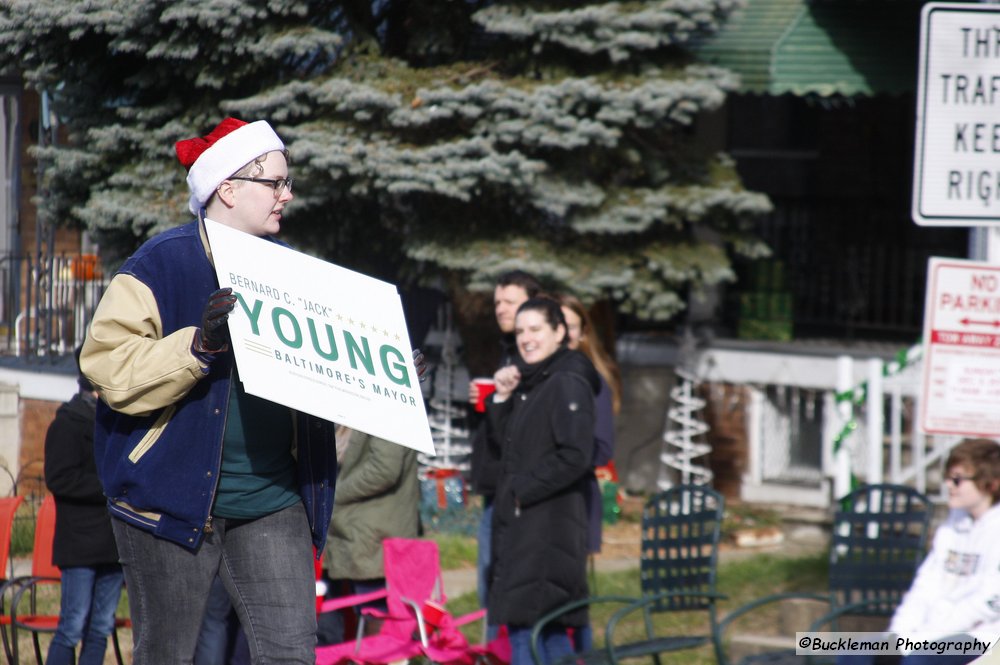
(961, 382)
(956, 178)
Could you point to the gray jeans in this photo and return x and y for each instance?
(266, 565)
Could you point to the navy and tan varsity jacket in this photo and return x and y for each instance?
(162, 414)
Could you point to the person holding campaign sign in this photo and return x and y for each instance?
(201, 477)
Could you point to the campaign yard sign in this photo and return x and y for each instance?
(961, 382)
(320, 338)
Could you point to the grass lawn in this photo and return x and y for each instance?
(456, 551)
(742, 580)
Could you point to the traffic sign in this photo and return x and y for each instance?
(961, 382)
(956, 179)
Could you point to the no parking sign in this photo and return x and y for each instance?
(961, 383)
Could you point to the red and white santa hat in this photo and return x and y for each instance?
(225, 150)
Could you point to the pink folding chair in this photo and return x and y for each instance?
(416, 622)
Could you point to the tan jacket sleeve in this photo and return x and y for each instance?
(135, 369)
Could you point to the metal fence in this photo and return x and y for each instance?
(48, 301)
(23, 529)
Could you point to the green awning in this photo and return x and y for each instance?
(825, 47)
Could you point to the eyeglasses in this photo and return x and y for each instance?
(957, 480)
(277, 184)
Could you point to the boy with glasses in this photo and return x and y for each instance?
(957, 588)
(201, 477)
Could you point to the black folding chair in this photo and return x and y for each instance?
(878, 540)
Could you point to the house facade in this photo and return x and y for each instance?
(824, 125)
(49, 283)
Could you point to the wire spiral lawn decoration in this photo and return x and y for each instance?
(683, 428)
(448, 419)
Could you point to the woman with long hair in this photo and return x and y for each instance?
(582, 336)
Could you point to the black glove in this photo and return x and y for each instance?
(418, 362)
(212, 336)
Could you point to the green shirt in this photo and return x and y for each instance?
(258, 470)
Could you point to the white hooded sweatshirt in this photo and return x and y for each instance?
(957, 587)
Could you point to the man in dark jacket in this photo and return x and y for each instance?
(84, 547)
(512, 289)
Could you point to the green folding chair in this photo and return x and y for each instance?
(680, 545)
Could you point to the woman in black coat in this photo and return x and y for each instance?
(543, 415)
(84, 545)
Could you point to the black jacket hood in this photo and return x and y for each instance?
(79, 407)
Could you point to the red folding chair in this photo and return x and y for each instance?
(43, 573)
(8, 510)
(415, 603)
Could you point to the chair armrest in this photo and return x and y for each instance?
(468, 618)
(20, 583)
(421, 627)
(746, 608)
(540, 625)
(767, 600)
(841, 610)
(643, 603)
(24, 584)
(376, 613)
(350, 601)
(14, 583)
(11, 585)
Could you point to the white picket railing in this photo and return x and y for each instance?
(888, 423)
(805, 445)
